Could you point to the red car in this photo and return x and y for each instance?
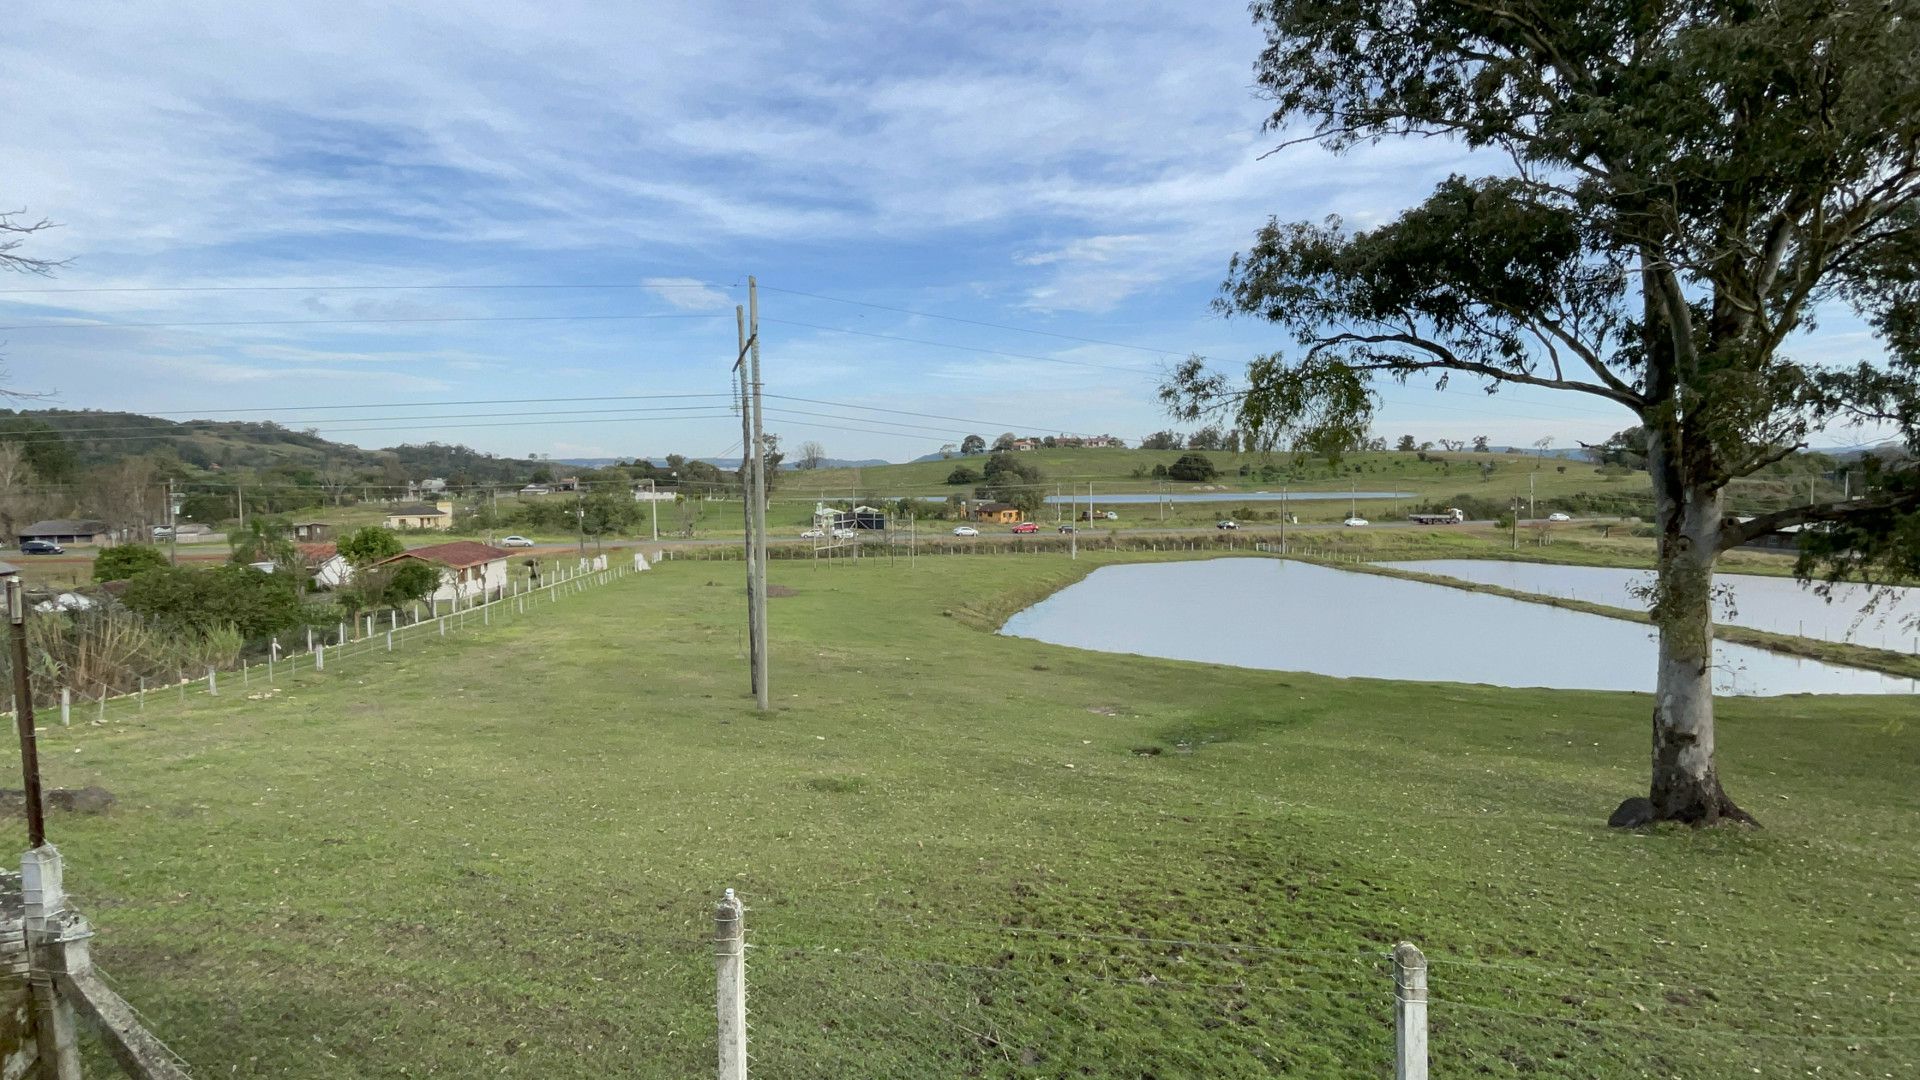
(1027, 527)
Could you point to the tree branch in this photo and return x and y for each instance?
(1733, 535)
(1449, 361)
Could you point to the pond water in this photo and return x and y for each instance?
(1288, 616)
(1149, 498)
(1780, 605)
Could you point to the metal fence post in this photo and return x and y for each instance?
(730, 994)
(1409, 1013)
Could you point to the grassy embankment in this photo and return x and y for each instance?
(972, 855)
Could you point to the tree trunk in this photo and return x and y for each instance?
(1686, 781)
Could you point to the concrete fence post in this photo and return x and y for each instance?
(389, 641)
(320, 657)
(1409, 1013)
(443, 626)
(730, 994)
(66, 706)
(213, 686)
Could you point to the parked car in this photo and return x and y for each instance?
(1027, 527)
(966, 530)
(162, 532)
(515, 541)
(813, 534)
(41, 547)
(1226, 525)
(1354, 521)
(1066, 529)
(1558, 516)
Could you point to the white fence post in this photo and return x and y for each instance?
(1409, 1013)
(730, 994)
(66, 706)
(320, 657)
(213, 687)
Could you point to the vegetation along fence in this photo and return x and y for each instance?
(90, 666)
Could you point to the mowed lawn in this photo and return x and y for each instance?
(967, 855)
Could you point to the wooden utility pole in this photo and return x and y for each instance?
(23, 711)
(746, 503)
(759, 494)
(173, 528)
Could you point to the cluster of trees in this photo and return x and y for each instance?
(1210, 437)
(1013, 480)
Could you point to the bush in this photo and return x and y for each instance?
(123, 561)
(963, 475)
(1193, 467)
(252, 602)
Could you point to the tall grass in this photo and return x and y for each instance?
(110, 650)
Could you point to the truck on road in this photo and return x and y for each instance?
(1450, 516)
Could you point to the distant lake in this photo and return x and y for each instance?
(1281, 615)
(1149, 498)
(1779, 605)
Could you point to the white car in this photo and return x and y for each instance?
(1558, 516)
(845, 534)
(515, 541)
(1354, 522)
(812, 534)
(966, 530)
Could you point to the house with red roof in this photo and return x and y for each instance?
(470, 571)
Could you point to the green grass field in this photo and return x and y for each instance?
(497, 854)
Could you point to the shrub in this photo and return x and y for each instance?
(963, 475)
(252, 602)
(370, 544)
(123, 561)
(1193, 467)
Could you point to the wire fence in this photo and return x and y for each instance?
(100, 690)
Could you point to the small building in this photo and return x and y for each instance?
(432, 485)
(470, 571)
(1026, 444)
(310, 532)
(329, 568)
(998, 513)
(1103, 441)
(567, 483)
(68, 531)
(437, 516)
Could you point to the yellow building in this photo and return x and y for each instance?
(1001, 513)
(436, 516)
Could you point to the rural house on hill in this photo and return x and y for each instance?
(469, 570)
(330, 569)
(437, 516)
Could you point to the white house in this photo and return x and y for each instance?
(470, 571)
(330, 568)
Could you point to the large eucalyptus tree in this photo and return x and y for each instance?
(1683, 186)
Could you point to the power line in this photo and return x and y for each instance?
(349, 322)
(358, 288)
(962, 348)
(973, 322)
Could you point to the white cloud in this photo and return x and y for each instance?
(688, 294)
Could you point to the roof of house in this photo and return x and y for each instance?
(8, 568)
(458, 554)
(318, 553)
(416, 510)
(64, 527)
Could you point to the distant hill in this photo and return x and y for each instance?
(98, 437)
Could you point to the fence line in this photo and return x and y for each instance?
(358, 637)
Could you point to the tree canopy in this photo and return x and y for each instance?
(1685, 188)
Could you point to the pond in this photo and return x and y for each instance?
(1148, 498)
(1281, 615)
(1780, 605)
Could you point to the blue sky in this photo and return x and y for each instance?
(1082, 169)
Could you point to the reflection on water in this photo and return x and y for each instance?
(1289, 616)
(1780, 605)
